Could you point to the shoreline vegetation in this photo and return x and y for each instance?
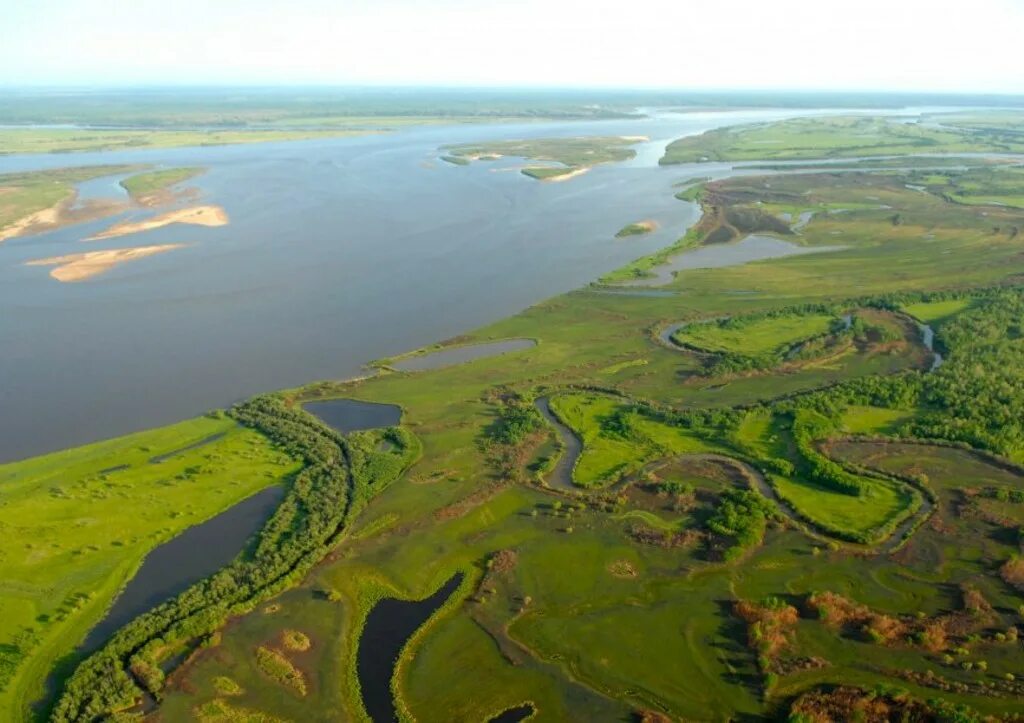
(881, 551)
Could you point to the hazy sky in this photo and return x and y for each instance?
(858, 44)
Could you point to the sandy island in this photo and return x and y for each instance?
(78, 267)
(196, 215)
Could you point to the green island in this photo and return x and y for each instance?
(574, 156)
(639, 228)
(150, 188)
(789, 489)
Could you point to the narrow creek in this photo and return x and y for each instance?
(928, 339)
(561, 476)
(388, 627)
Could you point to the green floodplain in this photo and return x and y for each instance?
(784, 506)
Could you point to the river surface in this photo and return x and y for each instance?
(339, 251)
(196, 553)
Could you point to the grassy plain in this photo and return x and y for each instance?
(755, 337)
(78, 523)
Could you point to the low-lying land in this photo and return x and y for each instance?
(573, 156)
(789, 509)
(39, 201)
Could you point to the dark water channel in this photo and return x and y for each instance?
(196, 553)
(561, 476)
(513, 715)
(389, 625)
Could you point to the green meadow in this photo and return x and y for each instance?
(78, 524)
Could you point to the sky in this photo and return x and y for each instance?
(917, 45)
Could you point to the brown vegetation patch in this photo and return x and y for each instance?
(295, 640)
(853, 704)
(934, 634)
(769, 627)
(622, 568)
(662, 538)
(1012, 571)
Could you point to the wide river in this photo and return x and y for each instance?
(338, 252)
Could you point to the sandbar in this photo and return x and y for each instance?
(78, 267)
(195, 215)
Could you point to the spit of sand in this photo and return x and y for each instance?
(195, 215)
(78, 267)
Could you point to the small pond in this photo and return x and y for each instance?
(353, 415)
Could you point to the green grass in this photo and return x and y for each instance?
(752, 338)
(145, 184)
(880, 505)
(935, 312)
(874, 420)
(76, 530)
